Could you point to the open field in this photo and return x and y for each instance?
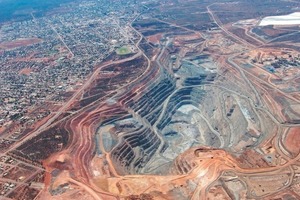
(19, 43)
(123, 50)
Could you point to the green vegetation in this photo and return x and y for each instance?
(125, 50)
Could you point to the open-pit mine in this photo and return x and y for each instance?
(200, 101)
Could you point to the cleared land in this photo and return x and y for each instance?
(290, 19)
(19, 43)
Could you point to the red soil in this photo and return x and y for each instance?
(292, 141)
(155, 38)
(19, 43)
(273, 32)
(25, 71)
